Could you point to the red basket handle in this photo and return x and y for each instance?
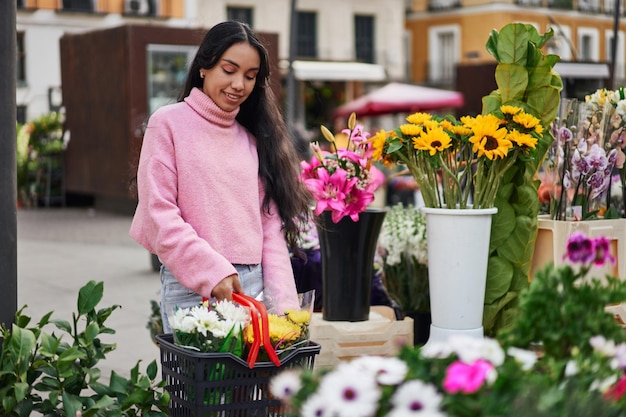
(257, 309)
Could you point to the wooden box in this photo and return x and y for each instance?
(551, 243)
(381, 335)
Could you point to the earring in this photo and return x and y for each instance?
(201, 74)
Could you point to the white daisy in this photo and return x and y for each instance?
(316, 406)
(285, 384)
(386, 370)
(416, 398)
(350, 392)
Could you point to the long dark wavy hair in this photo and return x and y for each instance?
(278, 160)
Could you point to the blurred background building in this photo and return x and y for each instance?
(108, 64)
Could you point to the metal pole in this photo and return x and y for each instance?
(614, 43)
(291, 80)
(8, 179)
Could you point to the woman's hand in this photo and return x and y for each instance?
(224, 290)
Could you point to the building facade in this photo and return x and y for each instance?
(449, 33)
(343, 47)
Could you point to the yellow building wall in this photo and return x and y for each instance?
(168, 8)
(476, 27)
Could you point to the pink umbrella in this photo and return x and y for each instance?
(400, 98)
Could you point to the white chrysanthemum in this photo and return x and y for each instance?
(232, 311)
(525, 358)
(350, 392)
(177, 317)
(386, 370)
(416, 398)
(285, 385)
(316, 406)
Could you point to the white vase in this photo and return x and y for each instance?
(458, 252)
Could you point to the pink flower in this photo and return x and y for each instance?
(580, 248)
(466, 378)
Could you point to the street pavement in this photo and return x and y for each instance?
(60, 249)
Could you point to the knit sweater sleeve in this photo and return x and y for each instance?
(158, 224)
(279, 281)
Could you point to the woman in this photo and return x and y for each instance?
(219, 196)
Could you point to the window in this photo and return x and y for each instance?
(364, 38)
(21, 114)
(560, 44)
(20, 68)
(306, 36)
(78, 5)
(588, 44)
(443, 55)
(240, 14)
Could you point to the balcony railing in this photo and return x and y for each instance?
(443, 4)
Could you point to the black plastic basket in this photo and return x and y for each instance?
(222, 384)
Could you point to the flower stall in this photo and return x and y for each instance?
(562, 356)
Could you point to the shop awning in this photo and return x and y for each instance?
(338, 71)
(596, 70)
(401, 98)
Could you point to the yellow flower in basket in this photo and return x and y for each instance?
(287, 331)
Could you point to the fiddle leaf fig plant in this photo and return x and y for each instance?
(56, 374)
(525, 78)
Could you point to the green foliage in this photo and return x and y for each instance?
(525, 78)
(57, 375)
(563, 309)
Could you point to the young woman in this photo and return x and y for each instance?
(220, 198)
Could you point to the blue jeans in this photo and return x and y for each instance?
(175, 295)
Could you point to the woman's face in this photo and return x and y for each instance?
(231, 80)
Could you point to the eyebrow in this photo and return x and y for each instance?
(239, 66)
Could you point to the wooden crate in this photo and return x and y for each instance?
(381, 335)
(552, 236)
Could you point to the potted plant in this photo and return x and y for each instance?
(403, 248)
(56, 374)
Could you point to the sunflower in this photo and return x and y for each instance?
(433, 140)
(512, 110)
(419, 118)
(489, 139)
(409, 129)
(527, 120)
(522, 139)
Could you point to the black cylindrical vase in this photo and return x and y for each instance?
(347, 259)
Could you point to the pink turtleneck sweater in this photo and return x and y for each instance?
(200, 199)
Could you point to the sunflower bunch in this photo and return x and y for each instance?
(458, 163)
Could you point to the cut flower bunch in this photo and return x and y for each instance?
(461, 163)
(341, 180)
(564, 356)
(225, 326)
(577, 175)
(403, 248)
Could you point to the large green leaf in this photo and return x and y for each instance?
(512, 44)
(498, 279)
(503, 224)
(512, 80)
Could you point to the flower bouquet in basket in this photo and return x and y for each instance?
(224, 353)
